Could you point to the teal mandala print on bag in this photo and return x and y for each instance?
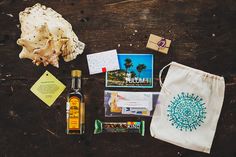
(186, 111)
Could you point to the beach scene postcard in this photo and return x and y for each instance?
(136, 71)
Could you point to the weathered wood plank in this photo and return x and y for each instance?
(203, 36)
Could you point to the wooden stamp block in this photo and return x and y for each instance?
(158, 43)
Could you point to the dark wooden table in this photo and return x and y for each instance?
(203, 34)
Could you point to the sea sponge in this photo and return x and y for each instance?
(46, 35)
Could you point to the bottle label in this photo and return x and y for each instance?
(74, 113)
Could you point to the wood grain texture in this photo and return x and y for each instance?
(203, 36)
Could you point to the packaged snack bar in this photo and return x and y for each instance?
(118, 127)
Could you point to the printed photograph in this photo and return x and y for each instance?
(136, 71)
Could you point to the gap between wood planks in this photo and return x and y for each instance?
(122, 2)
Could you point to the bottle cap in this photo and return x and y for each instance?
(76, 73)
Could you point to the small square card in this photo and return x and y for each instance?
(158, 43)
(47, 88)
(136, 71)
(125, 104)
(103, 62)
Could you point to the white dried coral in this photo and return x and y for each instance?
(46, 35)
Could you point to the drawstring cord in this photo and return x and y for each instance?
(160, 81)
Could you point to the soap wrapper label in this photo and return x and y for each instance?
(48, 88)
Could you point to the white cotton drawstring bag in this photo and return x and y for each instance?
(189, 107)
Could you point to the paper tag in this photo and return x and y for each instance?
(47, 88)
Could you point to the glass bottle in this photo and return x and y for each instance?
(75, 107)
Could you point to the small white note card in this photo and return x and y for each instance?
(102, 62)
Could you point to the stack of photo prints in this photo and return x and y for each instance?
(125, 71)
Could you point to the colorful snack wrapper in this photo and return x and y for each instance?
(117, 127)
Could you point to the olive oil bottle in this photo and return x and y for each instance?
(75, 107)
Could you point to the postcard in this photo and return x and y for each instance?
(136, 71)
(125, 104)
(103, 62)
